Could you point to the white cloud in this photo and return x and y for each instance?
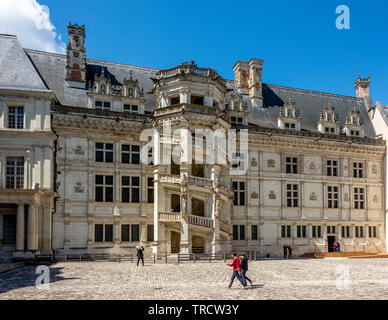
(30, 22)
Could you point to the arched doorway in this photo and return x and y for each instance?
(198, 244)
(175, 242)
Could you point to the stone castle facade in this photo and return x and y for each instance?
(72, 177)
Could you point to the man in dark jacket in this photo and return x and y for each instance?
(285, 251)
(140, 255)
(236, 268)
(244, 269)
(289, 252)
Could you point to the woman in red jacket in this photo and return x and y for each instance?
(236, 269)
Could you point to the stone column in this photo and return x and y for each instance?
(156, 211)
(216, 208)
(32, 227)
(47, 226)
(20, 228)
(185, 210)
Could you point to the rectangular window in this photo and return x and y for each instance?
(254, 232)
(130, 154)
(106, 105)
(104, 152)
(135, 232)
(108, 232)
(330, 229)
(127, 107)
(98, 233)
(125, 232)
(150, 232)
(372, 232)
(134, 108)
(358, 170)
(359, 231)
(332, 197)
(104, 188)
(14, 176)
(301, 231)
(239, 193)
(242, 232)
(238, 161)
(292, 195)
(16, 117)
(150, 190)
(235, 232)
(332, 168)
(359, 198)
(286, 231)
(98, 104)
(345, 231)
(238, 232)
(291, 165)
(130, 189)
(316, 231)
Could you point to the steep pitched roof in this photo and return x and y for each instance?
(383, 110)
(52, 68)
(310, 103)
(16, 70)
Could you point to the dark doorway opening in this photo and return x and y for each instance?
(330, 243)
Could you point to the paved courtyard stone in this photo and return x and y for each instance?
(273, 279)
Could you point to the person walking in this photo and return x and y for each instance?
(236, 268)
(338, 247)
(284, 251)
(335, 246)
(140, 255)
(289, 252)
(244, 269)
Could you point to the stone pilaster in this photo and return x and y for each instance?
(20, 227)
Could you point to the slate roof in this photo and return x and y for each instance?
(52, 68)
(384, 111)
(310, 103)
(16, 70)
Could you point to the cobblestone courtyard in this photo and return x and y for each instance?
(273, 279)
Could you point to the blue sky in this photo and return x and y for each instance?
(297, 40)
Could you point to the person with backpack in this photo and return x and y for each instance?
(244, 269)
(236, 269)
(140, 255)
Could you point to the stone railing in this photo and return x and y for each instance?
(227, 192)
(99, 113)
(200, 221)
(224, 227)
(193, 108)
(186, 68)
(170, 178)
(169, 217)
(200, 182)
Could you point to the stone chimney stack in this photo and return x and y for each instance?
(362, 90)
(76, 57)
(248, 80)
(241, 76)
(255, 82)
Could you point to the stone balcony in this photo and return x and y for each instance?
(199, 182)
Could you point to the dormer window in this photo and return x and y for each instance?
(288, 125)
(106, 105)
(236, 120)
(353, 125)
(98, 104)
(328, 121)
(133, 108)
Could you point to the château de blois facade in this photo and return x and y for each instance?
(74, 133)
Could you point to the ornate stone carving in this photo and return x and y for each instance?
(374, 169)
(346, 196)
(375, 199)
(184, 189)
(272, 195)
(79, 150)
(313, 196)
(271, 163)
(254, 195)
(254, 162)
(78, 188)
